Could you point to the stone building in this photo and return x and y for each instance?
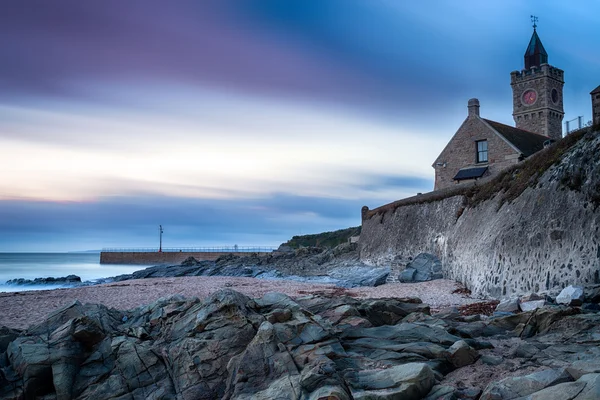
(482, 148)
(538, 93)
(596, 106)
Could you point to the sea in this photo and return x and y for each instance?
(43, 265)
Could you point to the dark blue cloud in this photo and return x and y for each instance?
(133, 221)
(392, 58)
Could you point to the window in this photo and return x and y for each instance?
(482, 151)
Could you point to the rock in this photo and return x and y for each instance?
(360, 275)
(571, 296)
(461, 354)
(439, 392)
(69, 279)
(592, 294)
(407, 275)
(521, 386)
(7, 335)
(532, 305)
(585, 388)
(525, 350)
(583, 367)
(510, 305)
(313, 347)
(595, 307)
(189, 262)
(448, 313)
(591, 389)
(403, 333)
(355, 322)
(408, 381)
(279, 315)
(389, 311)
(468, 393)
(491, 359)
(532, 297)
(425, 267)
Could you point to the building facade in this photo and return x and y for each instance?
(538, 93)
(596, 106)
(482, 148)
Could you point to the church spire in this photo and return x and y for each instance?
(535, 55)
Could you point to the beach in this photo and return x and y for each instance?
(22, 309)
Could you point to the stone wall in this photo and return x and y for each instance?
(596, 106)
(545, 239)
(156, 258)
(544, 116)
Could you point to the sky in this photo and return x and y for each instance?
(249, 121)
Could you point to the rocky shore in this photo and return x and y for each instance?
(331, 346)
(339, 266)
(66, 280)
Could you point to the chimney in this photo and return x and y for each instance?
(473, 108)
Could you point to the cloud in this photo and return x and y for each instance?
(132, 222)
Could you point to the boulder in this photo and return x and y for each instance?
(425, 267)
(532, 305)
(585, 388)
(592, 294)
(521, 386)
(461, 354)
(490, 359)
(389, 311)
(360, 275)
(408, 381)
(571, 296)
(509, 305)
(407, 275)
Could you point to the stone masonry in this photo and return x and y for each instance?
(544, 116)
(461, 151)
(596, 106)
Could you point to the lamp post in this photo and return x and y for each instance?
(160, 229)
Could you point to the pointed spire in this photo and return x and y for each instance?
(535, 55)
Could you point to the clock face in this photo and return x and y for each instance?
(554, 96)
(529, 97)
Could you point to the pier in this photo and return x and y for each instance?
(172, 256)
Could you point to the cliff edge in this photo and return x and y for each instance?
(533, 228)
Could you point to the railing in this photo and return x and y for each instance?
(224, 249)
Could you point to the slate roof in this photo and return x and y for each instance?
(535, 55)
(470, 173)
(527, 142)
(597, 90)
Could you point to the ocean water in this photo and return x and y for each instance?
(42, 265)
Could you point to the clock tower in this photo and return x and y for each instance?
(538, 92)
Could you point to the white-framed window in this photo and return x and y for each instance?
(482, 151)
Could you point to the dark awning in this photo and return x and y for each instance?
(470, 173)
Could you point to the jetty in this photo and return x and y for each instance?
(176, 255)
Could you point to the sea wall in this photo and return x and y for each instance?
(156, 258)
(543, 240)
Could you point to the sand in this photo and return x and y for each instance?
(21, 309)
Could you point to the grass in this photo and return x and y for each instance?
(513, 181)
(325, 239)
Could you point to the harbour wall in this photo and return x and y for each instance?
(162, 258)
(540, 241)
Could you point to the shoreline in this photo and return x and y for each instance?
(25, 308)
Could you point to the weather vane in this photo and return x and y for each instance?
(534, 21)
